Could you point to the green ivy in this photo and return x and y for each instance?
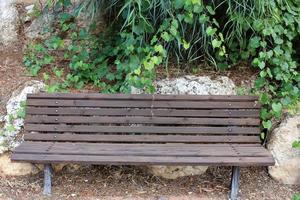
(271, 49)
(142, 35)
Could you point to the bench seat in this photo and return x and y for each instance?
(140, 154)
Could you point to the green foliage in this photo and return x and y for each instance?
(127, 55)
(141, 35)
(296, 144)
(272, 51)
(296, 197)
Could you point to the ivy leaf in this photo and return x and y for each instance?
(296, 144)
(210, 10)
(216, 43)
(203, 18)
(166, 36)
(264, 114)
(278, 40)
(264, 98)
(186, 45)
(262, 65)
(277, 108)
(255, 42)
(267, 124)
(211, 31)
(262, 135)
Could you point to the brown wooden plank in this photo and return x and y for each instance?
(141, 120)
(98, 96)
(143, 104)
(162, 150)
(47, 145)
(141, 129)
(142, 112)
(145, 160)
(140, 138)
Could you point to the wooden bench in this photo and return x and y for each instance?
(143, 129)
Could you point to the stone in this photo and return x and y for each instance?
(67, 167)
(38, 26)
(174, 172)
(8, 22)
(201, 85)
(29, 11)
(8, 168)
(287, 158)
(13, 123)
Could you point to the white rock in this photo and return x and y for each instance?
(2, 118)
(14, 104)
(287, 159)
(8, 168)
(30, 10)
(38, 26)
(202, 85)
(8, 22)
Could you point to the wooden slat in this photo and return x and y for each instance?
(143, 104)
(47, 145)
(141, 120)
(97, 96)
(142, 112)
(141, 129)
(144, 150)
(140, 138)
(145, 160)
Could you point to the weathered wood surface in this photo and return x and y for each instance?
(143, 129)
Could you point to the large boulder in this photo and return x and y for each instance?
(287, 158)
(8, 22)
(13, 121)
(8, 168)
(202, 85)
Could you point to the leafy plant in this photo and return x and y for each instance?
(141, 35)
(296, 197)
(296, 144)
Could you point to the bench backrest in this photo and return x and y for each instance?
(142, 118)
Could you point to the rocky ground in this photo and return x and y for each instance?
(116, 183)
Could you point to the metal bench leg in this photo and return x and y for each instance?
(47, 179)
(235, 178)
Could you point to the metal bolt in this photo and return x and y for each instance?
(56, 111)
(230, 129)
(56, 119)
(56, 102)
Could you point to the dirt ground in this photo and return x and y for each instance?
(134, 183)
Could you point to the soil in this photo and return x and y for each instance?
(126, 182)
